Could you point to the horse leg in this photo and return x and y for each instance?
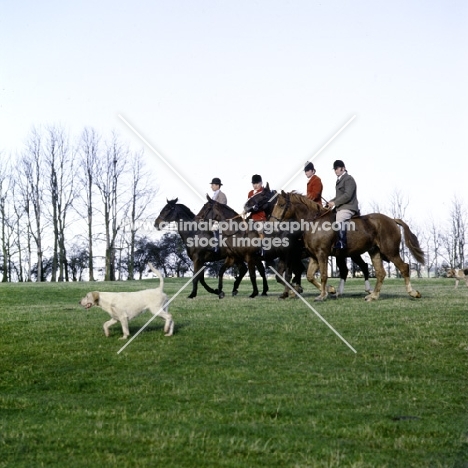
(343, 267)
(237, 282)
(379, 274)
(311, 270)
(227, 263)
(253, 279)
(323, 266)
(261, 270)
(359, 261)
(405, 272)
(199, 277)
(284, 272)
(196, 279)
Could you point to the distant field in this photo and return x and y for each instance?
(242, 383)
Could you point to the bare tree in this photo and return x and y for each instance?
(89, 149)
(455, 238)
(31, 180)
(433, 241)
(6, 230)
(109, 182)
(58, 162)
(142, 192)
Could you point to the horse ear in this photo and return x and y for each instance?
(208, 197)
(176, 200)
(283, 193)
(267, 186)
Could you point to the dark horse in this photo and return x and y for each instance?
(212, 210)
(266, 199)
(199, 244)
(374, 233)
(241, 238)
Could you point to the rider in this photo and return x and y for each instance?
(258, 215)
(314, 184)
(218, 196)
(345, 202)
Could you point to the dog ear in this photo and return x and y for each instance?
(95, 295)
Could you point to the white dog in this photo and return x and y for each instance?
(124, 306)
(458, 275)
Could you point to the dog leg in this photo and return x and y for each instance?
(107, 325)
(169, 326)
(124, 323)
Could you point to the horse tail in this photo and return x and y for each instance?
(412, 242)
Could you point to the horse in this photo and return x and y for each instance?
(374, 233)
(243, 240)
(266, 199)
(200, 251)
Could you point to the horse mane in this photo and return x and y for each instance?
(296, 197)
(226, 209)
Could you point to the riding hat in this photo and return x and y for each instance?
(216, 180)
(309, 167)
(338, 163)
(256, 179)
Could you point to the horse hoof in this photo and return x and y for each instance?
(264, 294)
(191, 296)
(216, 291)
(415, 294)
(253, 295)
(235, 292)
(319, 299)
(370, 298)
(221, 295)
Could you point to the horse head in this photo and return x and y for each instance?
(206, 211)
(261, 201)
(173, 211)
(281, 209)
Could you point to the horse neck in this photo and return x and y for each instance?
(223, 212)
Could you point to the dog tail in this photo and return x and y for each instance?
(158, 274)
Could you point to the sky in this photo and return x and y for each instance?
(229, 89)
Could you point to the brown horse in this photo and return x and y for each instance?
(374, 233)
(245, 242)
(266, 200)
(200, 252)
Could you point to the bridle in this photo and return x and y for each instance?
(286, 206)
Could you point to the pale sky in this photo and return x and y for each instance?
(232, 88)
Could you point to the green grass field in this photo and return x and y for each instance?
(242, 383)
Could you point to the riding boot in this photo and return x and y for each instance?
(216, 235)
(341, 243)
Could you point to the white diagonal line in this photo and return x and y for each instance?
(313, 157)
(160, 157)
(313, 310)
(159, 311)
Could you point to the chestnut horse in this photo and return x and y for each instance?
(201, 251)
(374, 233)
(266, 199)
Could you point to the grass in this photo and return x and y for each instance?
(242, 383)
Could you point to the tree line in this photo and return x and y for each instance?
(75, 208)
(78, 209)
